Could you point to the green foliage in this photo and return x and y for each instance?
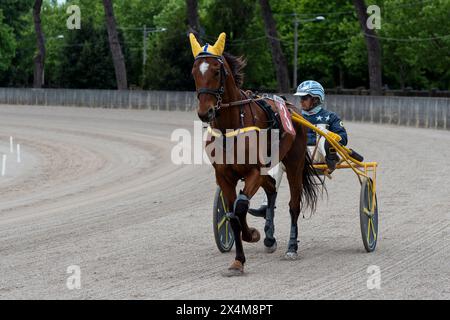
(85, 59)
(414, 39)
(7, 44)
(131, 17)
(242, 21)
(13, 10)
(170, 59)
(17, 44)
(417, 64)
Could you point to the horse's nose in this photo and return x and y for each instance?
(208, 116)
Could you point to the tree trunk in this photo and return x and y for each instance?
(114, 44)
(373, 48)
(278, 58)
(341, 77)
(39, 59)
(192, 16)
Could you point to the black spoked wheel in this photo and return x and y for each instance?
(368, 215)
(221, 223)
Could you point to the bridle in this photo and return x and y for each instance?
(218, 93)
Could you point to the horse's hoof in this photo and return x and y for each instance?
(291, 255)
(236, 269)
(232, 273)
(252, 236)
(272, 248)
(256, 236)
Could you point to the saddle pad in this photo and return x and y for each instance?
(285, 116)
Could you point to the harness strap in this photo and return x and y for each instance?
(215, 133)
(240, 102)
(272, 119)
(250, 107)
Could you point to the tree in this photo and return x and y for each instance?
(192, 17)
(85, 61)
(39, 58)
(13, 11)
(7, 44)
(116, 50)
(321, 44)
(133, 15)
(373, 48)
(416, 56)
(334, 51)
(278, 58)
(170, 57)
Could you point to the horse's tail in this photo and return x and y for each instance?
(312, 185)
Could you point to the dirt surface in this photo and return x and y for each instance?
(97, 189)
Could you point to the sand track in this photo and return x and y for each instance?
(96, 188)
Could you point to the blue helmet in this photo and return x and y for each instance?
(312, 88)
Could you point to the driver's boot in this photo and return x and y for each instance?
(331, 157)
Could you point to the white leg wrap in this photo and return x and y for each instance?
(265, 202)
(277, 173)
(321, 149)
(318, 152)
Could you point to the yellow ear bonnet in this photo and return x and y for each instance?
(216, 49)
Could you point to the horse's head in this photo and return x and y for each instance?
(209, 72)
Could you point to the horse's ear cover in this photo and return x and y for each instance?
(216, 49)
(195, 46)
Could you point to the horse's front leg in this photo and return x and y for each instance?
(240, 205)
(253, 180)
(227, 184)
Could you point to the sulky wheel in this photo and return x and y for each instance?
(221, 223)
(368, 215)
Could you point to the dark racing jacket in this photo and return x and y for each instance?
(319, 115)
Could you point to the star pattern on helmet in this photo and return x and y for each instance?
(327, 118)
(319, 118)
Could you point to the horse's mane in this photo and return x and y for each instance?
(236, 64)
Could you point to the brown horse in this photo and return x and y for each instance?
(218, 77)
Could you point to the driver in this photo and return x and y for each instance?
(312, 97)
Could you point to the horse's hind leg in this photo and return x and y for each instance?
(270, 242)
(295, 176)
(291, 252)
